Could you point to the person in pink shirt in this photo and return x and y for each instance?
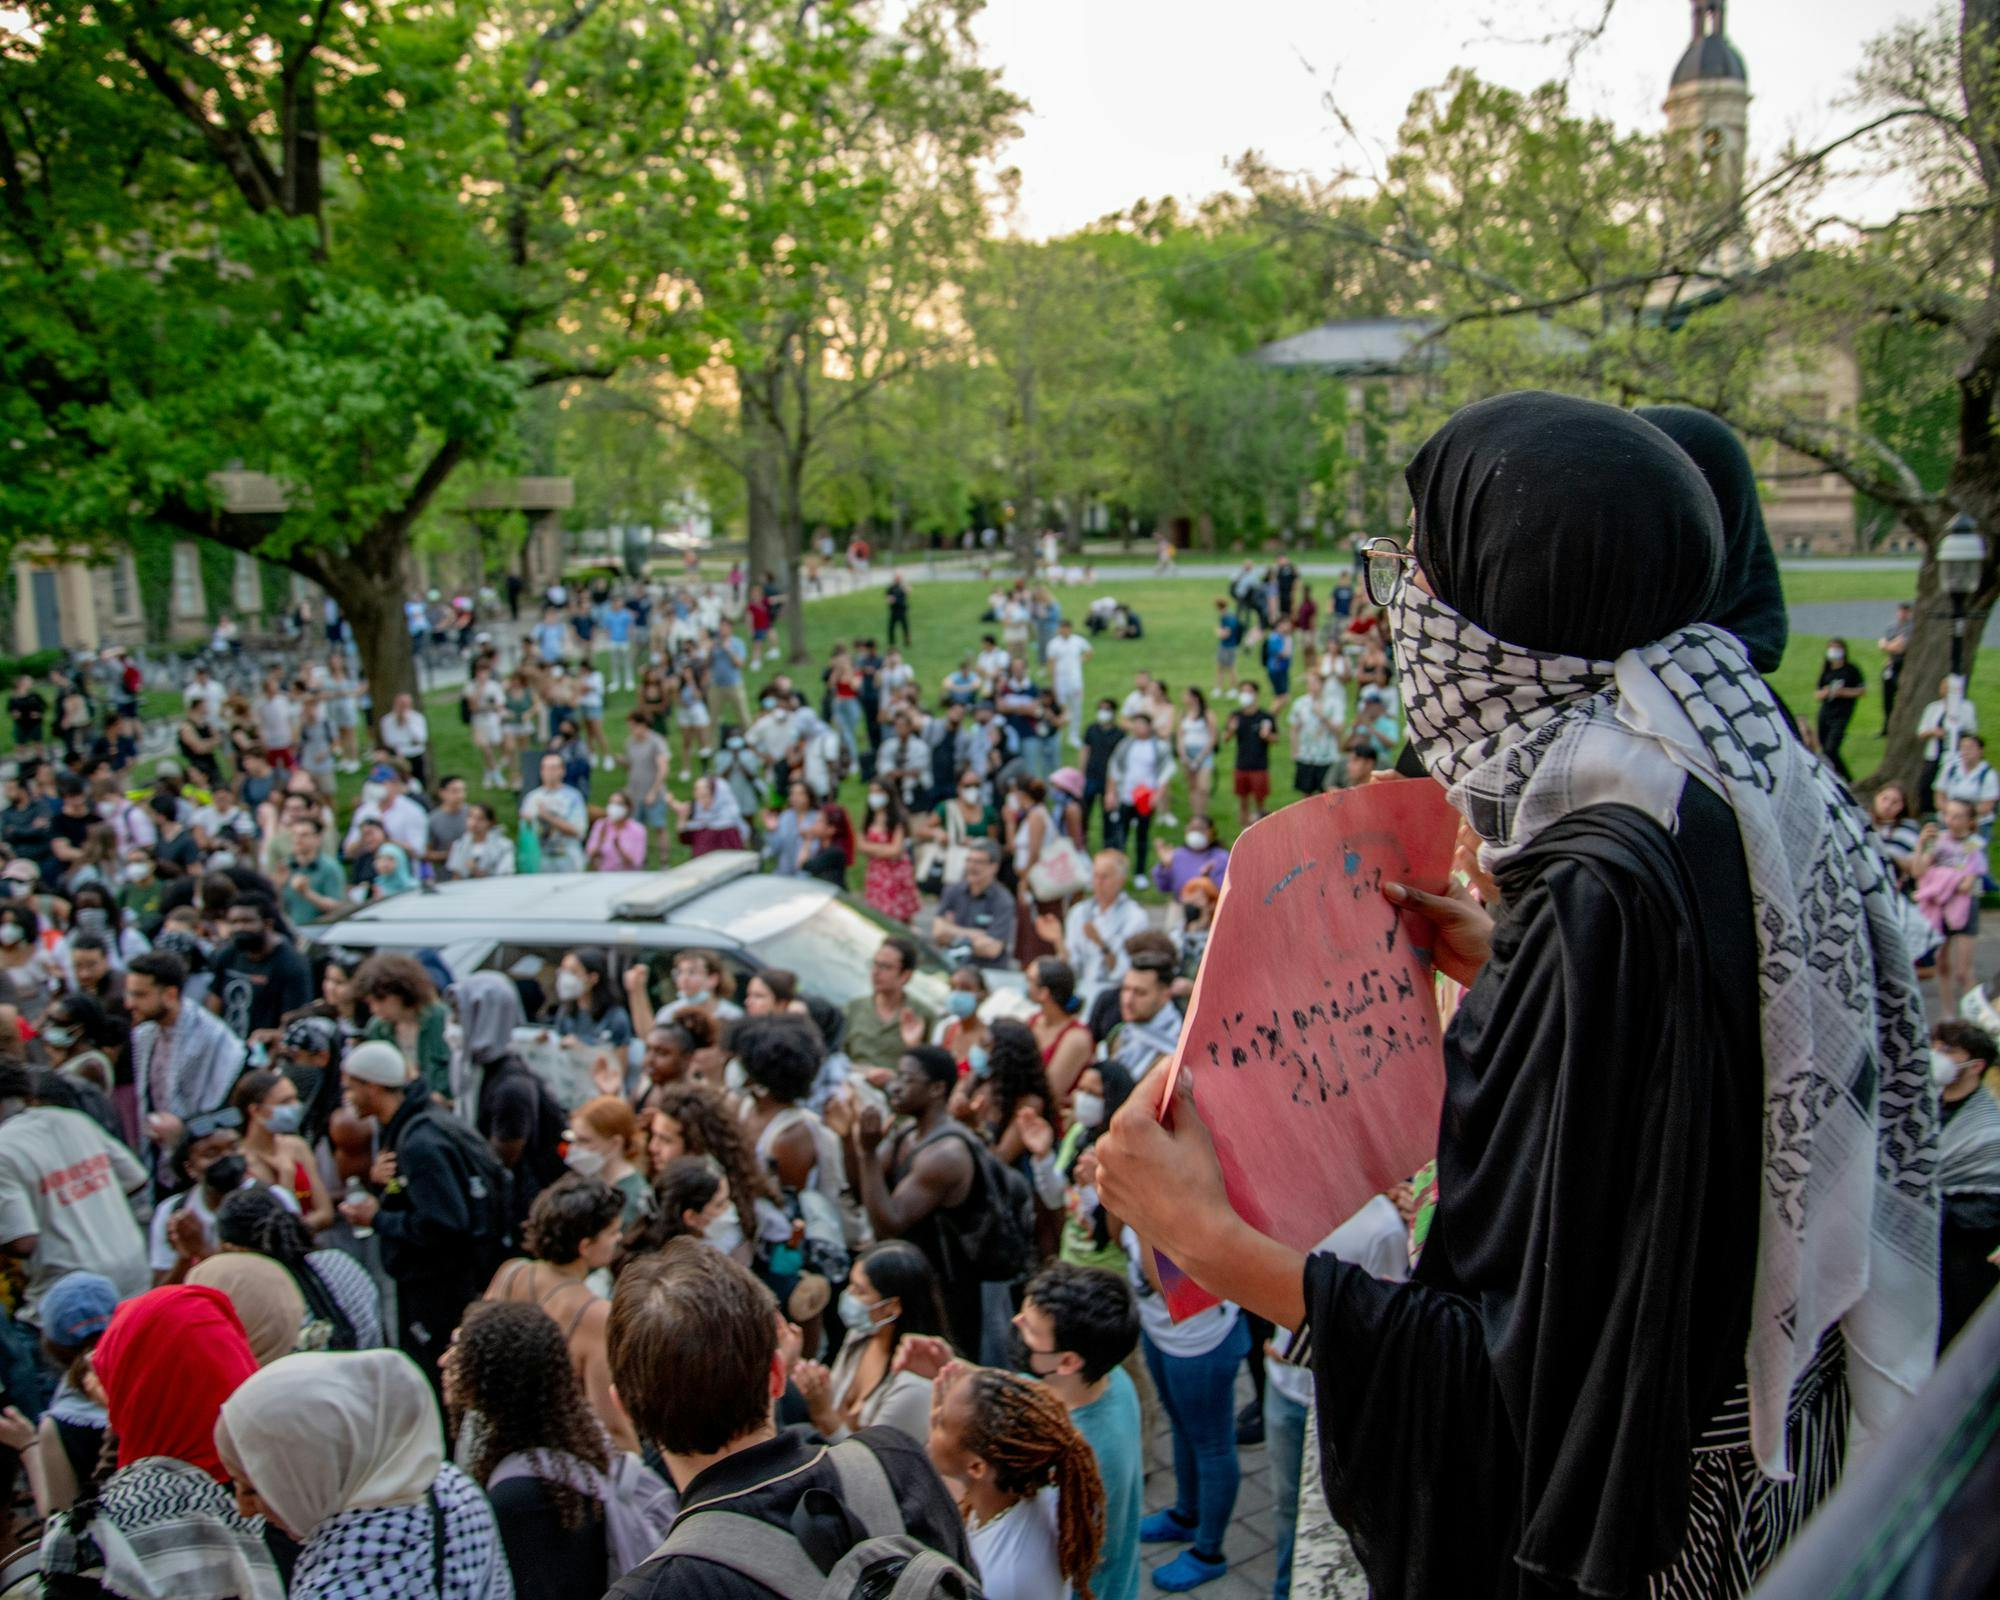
(617, 842)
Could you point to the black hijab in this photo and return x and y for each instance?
(1565, 525)
(1751, 601)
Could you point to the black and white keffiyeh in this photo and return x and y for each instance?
(160, 1529)
(391, 1552)
(1849, 1220)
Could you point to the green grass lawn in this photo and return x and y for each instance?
(1179, 648)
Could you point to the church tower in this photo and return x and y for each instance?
(1708, 103)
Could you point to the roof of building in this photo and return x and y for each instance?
(1709, 55)
(1364, 344)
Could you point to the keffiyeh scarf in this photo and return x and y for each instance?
(163, 1530)
(1849, 1210)
(393, 1552)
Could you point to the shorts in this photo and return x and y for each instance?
(341, 713)
(1971, 928)
(1226, 659)
(1253, 785)
(486, 728)
(652, 814)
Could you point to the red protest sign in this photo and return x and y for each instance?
(1312, 1042)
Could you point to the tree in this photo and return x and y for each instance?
(1555, 250)
(335, 243)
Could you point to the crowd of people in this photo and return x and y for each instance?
(318, 1284)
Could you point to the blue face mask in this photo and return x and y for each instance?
(961, 1002)
(976, 1058)
(286, 1118)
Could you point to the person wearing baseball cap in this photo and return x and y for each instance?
(61, 1454)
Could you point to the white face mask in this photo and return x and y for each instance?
(1197, 840)
(1089, 1109)
(734, 1078)
(1105, 714)
(616, 812)
(1836, 656)
(371, 793)
(10, 933)
(725, 1233)
(568, 986)
(585, 1163)
(969, 796)
(1944, 1069)
(877, 799)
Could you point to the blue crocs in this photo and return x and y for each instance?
(1164, 1527)
(1188, 1571)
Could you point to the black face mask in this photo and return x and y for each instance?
(226, 1175)
(1022, 1359)
(254, 944)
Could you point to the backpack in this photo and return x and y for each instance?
(483, 1180)
(639, 1505)
(853, 1545)
(999, 1246)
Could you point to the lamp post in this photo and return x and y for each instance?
(1961, 556)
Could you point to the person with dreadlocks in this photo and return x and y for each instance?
(1026, 1482)
(559, 1490)
(343, 1306)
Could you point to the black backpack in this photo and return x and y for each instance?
(999, 1245)
(484, 1181)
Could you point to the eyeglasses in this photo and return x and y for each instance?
(1385, 569)
(200, 1127)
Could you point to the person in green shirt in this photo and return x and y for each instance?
(140, 892)
(407, 1013)
(884, 1023)
(318, 888)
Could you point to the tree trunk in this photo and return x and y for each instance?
(792, 519)
(370, 596)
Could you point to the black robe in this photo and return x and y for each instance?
(1518, 1419)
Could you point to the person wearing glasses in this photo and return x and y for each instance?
(1758, 1168)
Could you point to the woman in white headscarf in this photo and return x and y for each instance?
(345, 1453)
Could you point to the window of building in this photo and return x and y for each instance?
(124, 588)
(1356, 505)
(246, 588)
(1357, 440)
(187, 581)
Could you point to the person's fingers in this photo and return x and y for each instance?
(1435, 906)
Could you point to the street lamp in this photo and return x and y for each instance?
(1961, 556)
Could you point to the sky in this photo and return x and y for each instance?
(1136, 99)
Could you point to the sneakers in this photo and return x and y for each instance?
(1188, 1571)
(1165, 1527)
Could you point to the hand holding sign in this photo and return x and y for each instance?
(1312, 1045)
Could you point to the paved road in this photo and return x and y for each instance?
(1864, 619)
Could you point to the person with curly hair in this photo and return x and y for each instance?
(343, 1306)
(1027, 1482)
(404, 1010)
(536, 1447)
(693, 1119)
(671, 1046)
(1016, 1084)
(574, 1228)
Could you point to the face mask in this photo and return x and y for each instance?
(976, 1059)
(877, 799)
(137, 871)
(226, 1176)
(1197, 840)
(734, 1078)
(1944, 1069)
(1836, 656)
(286, 1118)
(1021, 1359)
(969, 796)
(725, 1233)
(857, 1314)
(371, 793)
(1105, 715)
(585, 1163)
(91, 919)
(568, 986)
(736, 744)
(59, 1036)
(961, 1002)
(1246, 700)
(10, 933)
(1089, 1109)
(768, 703)
(616, 812)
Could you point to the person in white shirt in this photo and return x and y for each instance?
(64, 1184)
(1940, 726)
(222, 823)
(1141, 767)
(205, 689)
(1032, 1489)
(559, 817)
(1376, 1240)
(383, 801)
(183, 1226)
(277, 715)
(904, 759)
(1139, 700)
(1095, 931)
(482, 851)
(406, 732)
(991, 664)
(1967, 775)
(1068, 651)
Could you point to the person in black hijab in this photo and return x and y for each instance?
(1750, 599)
(1627, 1259)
